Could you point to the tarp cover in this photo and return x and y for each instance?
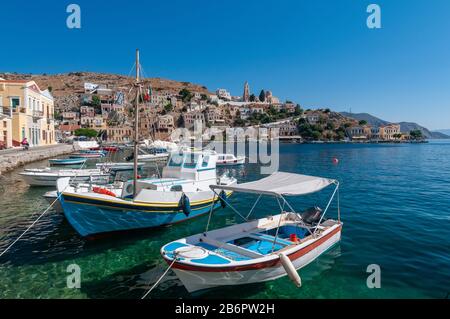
(281, 183)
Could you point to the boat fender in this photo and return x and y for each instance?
(290, 270)
(222, 197)
(100, 190)
(185, 204)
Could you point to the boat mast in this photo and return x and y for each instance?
(136, 125)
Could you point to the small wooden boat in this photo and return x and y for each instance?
(66, 161)
(230, 160)
(259, 250)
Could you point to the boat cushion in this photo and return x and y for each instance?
(211, 260)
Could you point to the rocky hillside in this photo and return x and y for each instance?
(65, 87)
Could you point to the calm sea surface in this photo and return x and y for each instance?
(395, 202)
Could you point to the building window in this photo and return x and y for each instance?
(15, 103)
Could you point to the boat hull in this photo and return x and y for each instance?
(50, 180)
(89, 218)
(210, 278)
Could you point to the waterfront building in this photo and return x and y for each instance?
(388, 132)
(190, 118)
(120, 134)
(165, 124)
(5, 131)
(31, 111)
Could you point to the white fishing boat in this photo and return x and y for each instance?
(230, 160)
(258, 250)
(48, 177)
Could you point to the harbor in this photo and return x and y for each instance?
(378, 229)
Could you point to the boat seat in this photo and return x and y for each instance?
(271, 238)
(233, 248)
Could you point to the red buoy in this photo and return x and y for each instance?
(335, 160)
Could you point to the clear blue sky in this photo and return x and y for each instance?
(317, 53)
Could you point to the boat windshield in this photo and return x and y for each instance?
(176, 160)
(190, 160)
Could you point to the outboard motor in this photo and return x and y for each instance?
(311, 215)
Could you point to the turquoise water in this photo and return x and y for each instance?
(395, 202)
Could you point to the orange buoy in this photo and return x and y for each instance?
(103, 191)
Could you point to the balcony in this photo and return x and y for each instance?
(5, 111)
(38, 114)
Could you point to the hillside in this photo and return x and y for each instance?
(65, 87)
(445, 132)
(404, 126)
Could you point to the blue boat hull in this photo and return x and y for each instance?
(90, 219)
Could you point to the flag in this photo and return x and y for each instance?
(148, 94)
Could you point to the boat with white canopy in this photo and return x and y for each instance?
(258, 250)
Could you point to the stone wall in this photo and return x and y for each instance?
(14, 159)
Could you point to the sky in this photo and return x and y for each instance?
(318, 53)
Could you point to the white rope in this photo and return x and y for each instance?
(160, 278)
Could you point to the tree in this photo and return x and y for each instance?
(186, 95)
(262, 96)
(416, 134)
(363, 122)
(298, 110)
(252, 98)
(88, 132)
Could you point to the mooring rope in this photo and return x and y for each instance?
(40, 216)
(160, 278)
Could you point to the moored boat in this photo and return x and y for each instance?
(230, 160)
(48, 177)
(181, 193)
(66, 161)
(259, 250)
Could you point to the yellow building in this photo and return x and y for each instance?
(31, 111)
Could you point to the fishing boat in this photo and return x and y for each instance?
(66, 161)
(48, 177)
(118, 165)
(262, 249)
(230, 160)
(181, 192)
(88, 154)
(156, 157)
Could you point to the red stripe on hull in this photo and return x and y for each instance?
(267, 264)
